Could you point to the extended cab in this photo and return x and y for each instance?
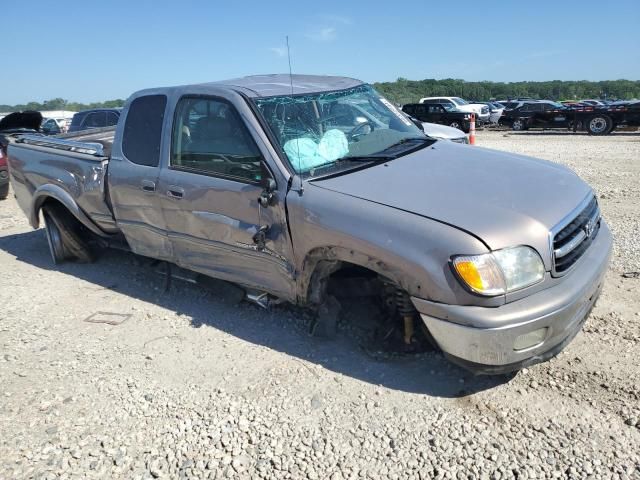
(265, 181)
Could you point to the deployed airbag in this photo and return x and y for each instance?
(305, 154)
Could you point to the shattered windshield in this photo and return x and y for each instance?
(319, 130)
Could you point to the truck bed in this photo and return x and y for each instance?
(72, 166)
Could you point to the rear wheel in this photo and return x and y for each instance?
(4, 191)
(599, 125)
(518, 125)
(64, 236)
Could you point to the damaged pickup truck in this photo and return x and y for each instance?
(285, 185)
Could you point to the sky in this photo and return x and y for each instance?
(99, 50)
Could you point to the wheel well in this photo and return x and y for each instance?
(370, 303)
(50, 201)
(321, 263)
(61, 209)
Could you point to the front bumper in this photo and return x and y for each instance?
(485, 340)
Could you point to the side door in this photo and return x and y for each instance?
(133, 173)
(211, 186)
(436, 113)
(538, 117)
(555, 117)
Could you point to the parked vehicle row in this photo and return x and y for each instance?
(272, 183)
(595, 119)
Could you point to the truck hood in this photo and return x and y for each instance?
(501, 198)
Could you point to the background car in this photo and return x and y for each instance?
(594, 103)
(481, 111)
(495, 110)
(95, 118)
(437, 114)
(11, 125)
(54, 126)
(538, 114)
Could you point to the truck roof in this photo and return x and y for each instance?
(278, 84)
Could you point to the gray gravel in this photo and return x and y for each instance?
(193, 386)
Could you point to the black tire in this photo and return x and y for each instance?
(64, 236)
(456, 124)
(4, 191)
(599, 125)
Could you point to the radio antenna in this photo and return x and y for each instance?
(301, 191)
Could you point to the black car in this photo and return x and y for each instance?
(537, 114)
(10, 126)
(436, 113)
(96, 118)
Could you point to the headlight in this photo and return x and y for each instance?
(500, 271)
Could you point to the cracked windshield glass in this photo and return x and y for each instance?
(319, 131)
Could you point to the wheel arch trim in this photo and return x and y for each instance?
(49, 191)
(321, 262)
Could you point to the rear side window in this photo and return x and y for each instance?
(94, 120)
(112, 119)
(143, 130)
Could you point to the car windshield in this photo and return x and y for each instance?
(320, 130)
(460, 101)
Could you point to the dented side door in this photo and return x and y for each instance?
(214, 223)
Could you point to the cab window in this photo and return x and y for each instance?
(209, 137)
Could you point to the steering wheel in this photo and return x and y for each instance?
(353, 133)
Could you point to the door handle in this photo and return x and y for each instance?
(148, 186)
(175, 192)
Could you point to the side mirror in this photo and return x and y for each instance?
(268, 195)
(269, 185)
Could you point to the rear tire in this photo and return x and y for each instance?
(519, 125)
(64, 237)
(4, 191)
(599, 125)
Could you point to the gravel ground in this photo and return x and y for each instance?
(188, 384)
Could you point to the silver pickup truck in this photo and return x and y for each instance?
(286, 184)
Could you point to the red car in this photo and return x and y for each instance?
(10, 126)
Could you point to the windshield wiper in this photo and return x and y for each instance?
(366, 158)
(404, 141)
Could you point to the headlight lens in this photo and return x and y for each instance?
(500, 271)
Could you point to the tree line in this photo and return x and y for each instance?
(61, 104)
(410, 91)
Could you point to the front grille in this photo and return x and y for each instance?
(574, 238)
(460, 140)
